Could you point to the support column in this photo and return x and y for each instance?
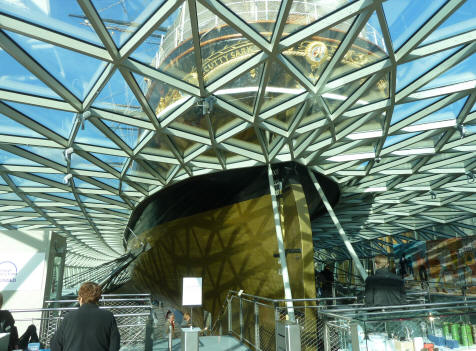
(282, 253)
(341, 231)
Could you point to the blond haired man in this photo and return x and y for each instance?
(384, 288)
(87, 328)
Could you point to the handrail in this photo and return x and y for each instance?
(394, 307)
(101, 300)
(75, 308)
(294, 300)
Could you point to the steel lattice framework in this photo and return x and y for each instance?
(398, 169)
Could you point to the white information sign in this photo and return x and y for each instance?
(21, 271)
(192, 292)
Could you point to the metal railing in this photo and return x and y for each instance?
(355, 328)
(132, 313)
(253, 319)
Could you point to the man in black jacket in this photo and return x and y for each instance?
(383, 288)
(87, 328)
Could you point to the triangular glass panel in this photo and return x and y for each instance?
(123, 18)
(68, 195)
(85, 199)
(172, 51)
(162, 168)
(231, 157)
(304, 13)
(54, 15)
(405, 17)
(56, 177)
(246, 139)
(461, 21)
(283, 119)
(397, 138)
(7, 158)
(63, 64)
(113, 197)
(84, 184)
(162, 98)
(80, 163)
(402, 111)
(410, 71)
(17, 78)
(192, 122)
(375, 93)
(90, 135)
(18, 181)
(280, 88)
(314, 114)
(131, 135)
(222, 47)
(461, 72)
(61, 122)
(443, 118)
(10, 196)
(209, 156)
(116, 96)
(114, 161)
(10, 127)
(138, 170)
(114, 182)
(368, 47)
(242, 91)
(49, 153)
(312, 55)
(181, 144)
(158, 145)
(259, 15)
(337, 97)
(222, 121)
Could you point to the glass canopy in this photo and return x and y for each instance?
(105, 102)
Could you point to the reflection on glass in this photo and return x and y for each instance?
(281, 87)
(13, 76)
(49, 153)
(63, 64)
(58, 121)
(123, 18)
(11, 127)
(461, 21)
(246, 139)
(62, 16)
(89, 134)
(306, 12)
(462, 72)
(408, 72)
(242, 91)
(368, 47)
(118, 97)
(402, 111)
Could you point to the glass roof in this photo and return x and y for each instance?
(104, 102)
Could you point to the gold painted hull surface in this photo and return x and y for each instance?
(231, 248)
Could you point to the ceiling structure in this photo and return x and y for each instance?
(82, 140)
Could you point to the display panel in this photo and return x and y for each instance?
(192, 291)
